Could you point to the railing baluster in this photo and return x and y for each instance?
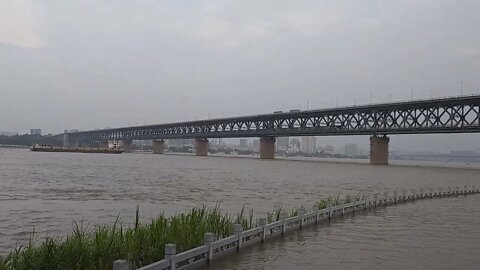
(262, 222)
(301, 213)
(238, 229)
(170, 253)
(208, 240)
(329, 205)
(120, 265)
(283, 216)
(315, 210)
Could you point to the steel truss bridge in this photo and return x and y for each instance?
(446, 115)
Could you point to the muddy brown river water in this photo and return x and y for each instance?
(49, 191)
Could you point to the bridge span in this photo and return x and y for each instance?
(444, 115)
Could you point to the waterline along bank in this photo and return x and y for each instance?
(189, 239)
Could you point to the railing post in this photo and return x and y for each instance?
(386, 198)
(413, 194)
(329, 206)
(315, 210)
(262, 222)
(395, 197)
(208, 240)
(375, 197)
(301, 213)
(457, 190)
(465, 191)
(170, 253)
(283, 216)
(431, 193)
(238, 229)
(404, 196)
(120, 265)
(355, 204)
(422, 195)
(449, 193)
(366, 202)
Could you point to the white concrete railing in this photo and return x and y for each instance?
(205, 254)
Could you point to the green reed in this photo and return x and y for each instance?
(335, 201)
(141, 244)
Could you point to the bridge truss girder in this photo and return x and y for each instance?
(453, 115)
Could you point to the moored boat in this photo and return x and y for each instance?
(71, 149)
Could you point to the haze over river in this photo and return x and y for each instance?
(49, 191)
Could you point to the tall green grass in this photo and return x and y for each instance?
(141, 244)
(335, 201)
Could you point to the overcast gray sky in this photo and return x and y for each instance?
(98, 63)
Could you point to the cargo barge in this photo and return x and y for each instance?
(70, 149)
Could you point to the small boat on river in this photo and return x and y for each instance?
(71, 149)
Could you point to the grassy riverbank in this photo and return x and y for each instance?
(141, 244)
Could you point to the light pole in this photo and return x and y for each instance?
(371, 97)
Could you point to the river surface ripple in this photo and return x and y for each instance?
(49, 191)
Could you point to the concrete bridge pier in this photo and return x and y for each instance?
(127, 146)
(267, 148)
(379, 150)
(158, 146)
(201, 147)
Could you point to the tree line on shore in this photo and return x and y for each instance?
(27, 140)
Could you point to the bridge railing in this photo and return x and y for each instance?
(213, 249)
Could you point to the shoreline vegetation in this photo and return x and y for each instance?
(141, 244)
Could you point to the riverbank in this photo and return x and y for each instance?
(393, 162)
(96, 248)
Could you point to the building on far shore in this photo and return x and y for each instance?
(244, 143)
(36, 132)
(256, 144)
(282, 144)
(351, 149)
(329, 149)
(308, 144)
